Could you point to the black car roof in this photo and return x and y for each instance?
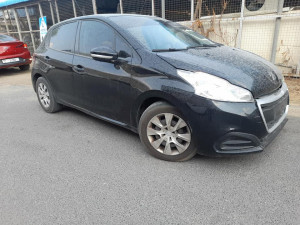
(107, 16)
(114, 23)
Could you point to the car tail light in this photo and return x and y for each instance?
(22, 46)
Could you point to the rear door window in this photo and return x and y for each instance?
(63, 37)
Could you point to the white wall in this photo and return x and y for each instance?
(257, 37)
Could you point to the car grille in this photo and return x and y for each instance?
(275, 110)
(274, 107)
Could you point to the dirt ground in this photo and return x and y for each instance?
(294, 88)
(13, 76)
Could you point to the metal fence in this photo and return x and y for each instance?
(269, 28)
(22, 20)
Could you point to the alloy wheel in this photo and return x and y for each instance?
(169, 134)
(44, 95)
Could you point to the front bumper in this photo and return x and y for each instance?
(224, 128)
(243, 143)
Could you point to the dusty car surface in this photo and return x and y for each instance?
(182, 93)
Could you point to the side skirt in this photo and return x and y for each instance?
(124, 125)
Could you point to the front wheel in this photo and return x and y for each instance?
(165, 133)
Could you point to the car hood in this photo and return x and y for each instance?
(239, 67)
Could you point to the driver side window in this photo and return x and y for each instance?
(94, 34)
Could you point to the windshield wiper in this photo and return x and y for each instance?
(182, 49)
(169, 50)
(205, 46)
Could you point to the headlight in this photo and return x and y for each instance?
(212, 87)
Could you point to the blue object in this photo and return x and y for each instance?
(43, 27)
(11, 2)
(43, 22)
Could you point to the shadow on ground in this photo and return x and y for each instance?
(9, 71)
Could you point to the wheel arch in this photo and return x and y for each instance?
(35, 77)
(148, 98)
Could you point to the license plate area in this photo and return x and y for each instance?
(272, 106)
(274, 111)
(10, 60)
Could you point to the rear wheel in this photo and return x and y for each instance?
(165, 133)
(24, 67)
(45, 96)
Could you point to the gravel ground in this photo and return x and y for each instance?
(69, 168)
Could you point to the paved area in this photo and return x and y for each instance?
(69, 168)
(13, 76)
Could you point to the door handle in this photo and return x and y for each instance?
(78, 69)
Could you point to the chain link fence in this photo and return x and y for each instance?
(269, 28)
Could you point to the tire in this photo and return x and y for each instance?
(45, 96)
(163, 141)
(24, 67)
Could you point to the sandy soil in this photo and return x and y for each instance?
(294, 88)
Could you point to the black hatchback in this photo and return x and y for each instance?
(183, 94)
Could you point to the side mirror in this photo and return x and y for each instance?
(104, 54)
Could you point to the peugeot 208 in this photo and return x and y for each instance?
(182, 93)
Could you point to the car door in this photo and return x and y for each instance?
(58, 57)
(104, 86)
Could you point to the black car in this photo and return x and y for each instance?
(182, 93)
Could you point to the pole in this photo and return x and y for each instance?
(121, 6)
(74, 8)
(192, 10)
(57, 12)
(276, 30)
(240, 32)
(94, 6)
(153, 7)
(7, 30)
(52, 13)
(40, 9)
(30, 28)
(298, 69)
(18, 24)
(163, 9)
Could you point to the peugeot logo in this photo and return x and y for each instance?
(273, 76)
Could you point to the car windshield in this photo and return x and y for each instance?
(4, 38)
(162, 35)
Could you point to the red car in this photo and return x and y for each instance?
(13, 53)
